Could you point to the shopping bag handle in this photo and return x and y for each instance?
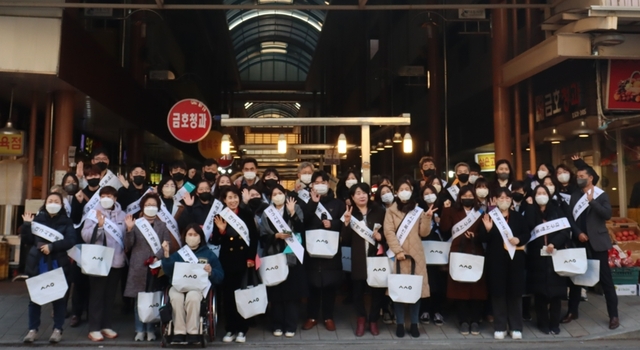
(245, 278)
(413, 264)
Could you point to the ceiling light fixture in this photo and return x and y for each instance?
(397, 138)
(407, 143)
(225, 145)
(388, 143)
(583, 130)
(342, 144)
(554, 138)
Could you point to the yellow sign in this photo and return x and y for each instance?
(12, 145)
(487, 161)
(210, 146)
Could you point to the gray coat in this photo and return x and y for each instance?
(135, 243)
(598, 212)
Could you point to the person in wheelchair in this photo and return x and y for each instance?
(186, 306)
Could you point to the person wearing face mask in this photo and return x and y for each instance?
(384, 196)
(324, 275)
(591, 233)
(450, 192)
(504, 177)
(301, 190)
(100, 159)
(178, 172)
(186, 306)
(45, 256)
(167, 190)
(210, 172)
(518, 194)
(284, 297)
(474, 172)
(482, 193)
(345, 184)
(249, 174)
(437, 183)
(505, 275)
(222, 182)
(141, 253)
(544, 170)
(428, 170)
(411, 246)
(102, 293)
(270, 178)
(70, 184)
(133, 188)
(566, 179)
(431, 308)
(198, 206)
(469, 298)
(547, 286)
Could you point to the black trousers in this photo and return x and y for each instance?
(433, 304)
(507, 311)
(285, 315)
(234, 323)
(606, 281)
(547, 311)
(377, 296)
(101, 299)
(80, 296)
(325, 298)
(469, 311)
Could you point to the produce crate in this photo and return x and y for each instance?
(625, 275)
(626, 289)
(633, 234)
(621, 222)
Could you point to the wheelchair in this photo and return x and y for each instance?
(207, 324)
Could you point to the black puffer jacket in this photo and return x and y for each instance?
(58, 250)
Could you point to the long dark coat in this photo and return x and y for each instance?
(375, 215)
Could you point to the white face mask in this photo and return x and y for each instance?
(437, 187)
(278, 199)
(53, 208)
(305, 178)
(321, 189)
(106, 202)
(249, 175)
(482, 192)
(151, 211)
(192, 241)
(430, 198)
(552, 189)
(168, 192)
(473, 178)
(404, 195)
(504, 204)
(350, 183)
(564, 178)
(387, 198)
(542, 199)
(542, 174)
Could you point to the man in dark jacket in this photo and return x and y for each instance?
(133, 188)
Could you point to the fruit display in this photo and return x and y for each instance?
(629, 89)
(624, 259)
(626, 235)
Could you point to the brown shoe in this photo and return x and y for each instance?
(614, 323)
(74, 322)
(329, 325)
(360, 327)
(309, 324)
(570, 317)
(373, 327)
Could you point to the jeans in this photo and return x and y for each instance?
(142, 327)
(59, 313)
(414, 312)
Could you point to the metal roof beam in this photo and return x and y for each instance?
(404, 119)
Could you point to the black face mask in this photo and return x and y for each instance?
(582, 183)
(93, 182)
(254, 203)
(205, 197)
(102, 165)
(209, 175)
(71, 188)
(518, 197)
(503, 176)
(138, 180)
(464, 178)
(270, 183)
(429, 172)
(178, 177)
(467, 202)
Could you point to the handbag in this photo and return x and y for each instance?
(378, 271)
(251, 300)
(189, 277)
(96, 259)
(322, 243)
(467, 268)
(589, 278)
(346, 259)
(405, 288)
(570, 262)
(274, 269)
(149, 306)
(47, 287)
(436, 252)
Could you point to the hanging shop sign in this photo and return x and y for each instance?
(487, 161)
(189, 121)
(623, 85)
(12, 145)
(209, 147)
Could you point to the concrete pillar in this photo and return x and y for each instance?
(33, 122)
(62, 133)
(501, 115)
(46, 158)
(435, 95)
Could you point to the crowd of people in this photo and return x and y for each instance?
(95, 206)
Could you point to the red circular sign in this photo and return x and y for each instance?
(225, 161)
(189, 121)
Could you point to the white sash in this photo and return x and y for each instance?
(187, 255)
(186, 188)
(109, 227)
(362, 230)
(406, 226)
(304, 195)
(149, 234)
(46, 232)
(583, 203)
(170, 221)
(241, 228)
(534, 184)
(135, 206)
(565, 197)
(504, 229)
(281, 226)
(67, 206)
(548, 227)
(322, 210)
(95, 199)
(454, 191)
(465, 224)
(110, 179)
(216, 208)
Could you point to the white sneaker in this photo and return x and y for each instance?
(109, 333)
(229, 337)
(498, 335)
(151, 336)
(241, 338)
(96, 336)
(277, 333)
(290, 334)
(31, 336)
(516, 335)
(56, 336)
(139, 336)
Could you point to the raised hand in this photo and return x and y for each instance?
(165, 248)
(447, 204)
(80, 196)
(291, 205)
(129, 222)
(188, 199)
(529, 200)
(488, 223)
(347, 215)
(220, 223)
(245, 196)
(27, 217)
(100, 217)
(314, 195)
(80, 170)
(123, 181)
(431, 210)
(575, 157)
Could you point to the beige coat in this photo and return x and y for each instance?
(412, 245)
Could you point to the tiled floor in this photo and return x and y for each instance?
(593, 323)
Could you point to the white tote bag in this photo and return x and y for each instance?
(378, 271)
(149, 306)
(47, 287)
(274, 269)
(189, 277)
(346, 259)
(570, 262)
(322, 243)
(96, 259)
(405, 289)
(589, 278)
(251, 300)
(436, 252)
(465, 267)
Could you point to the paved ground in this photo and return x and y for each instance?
(592, 325)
